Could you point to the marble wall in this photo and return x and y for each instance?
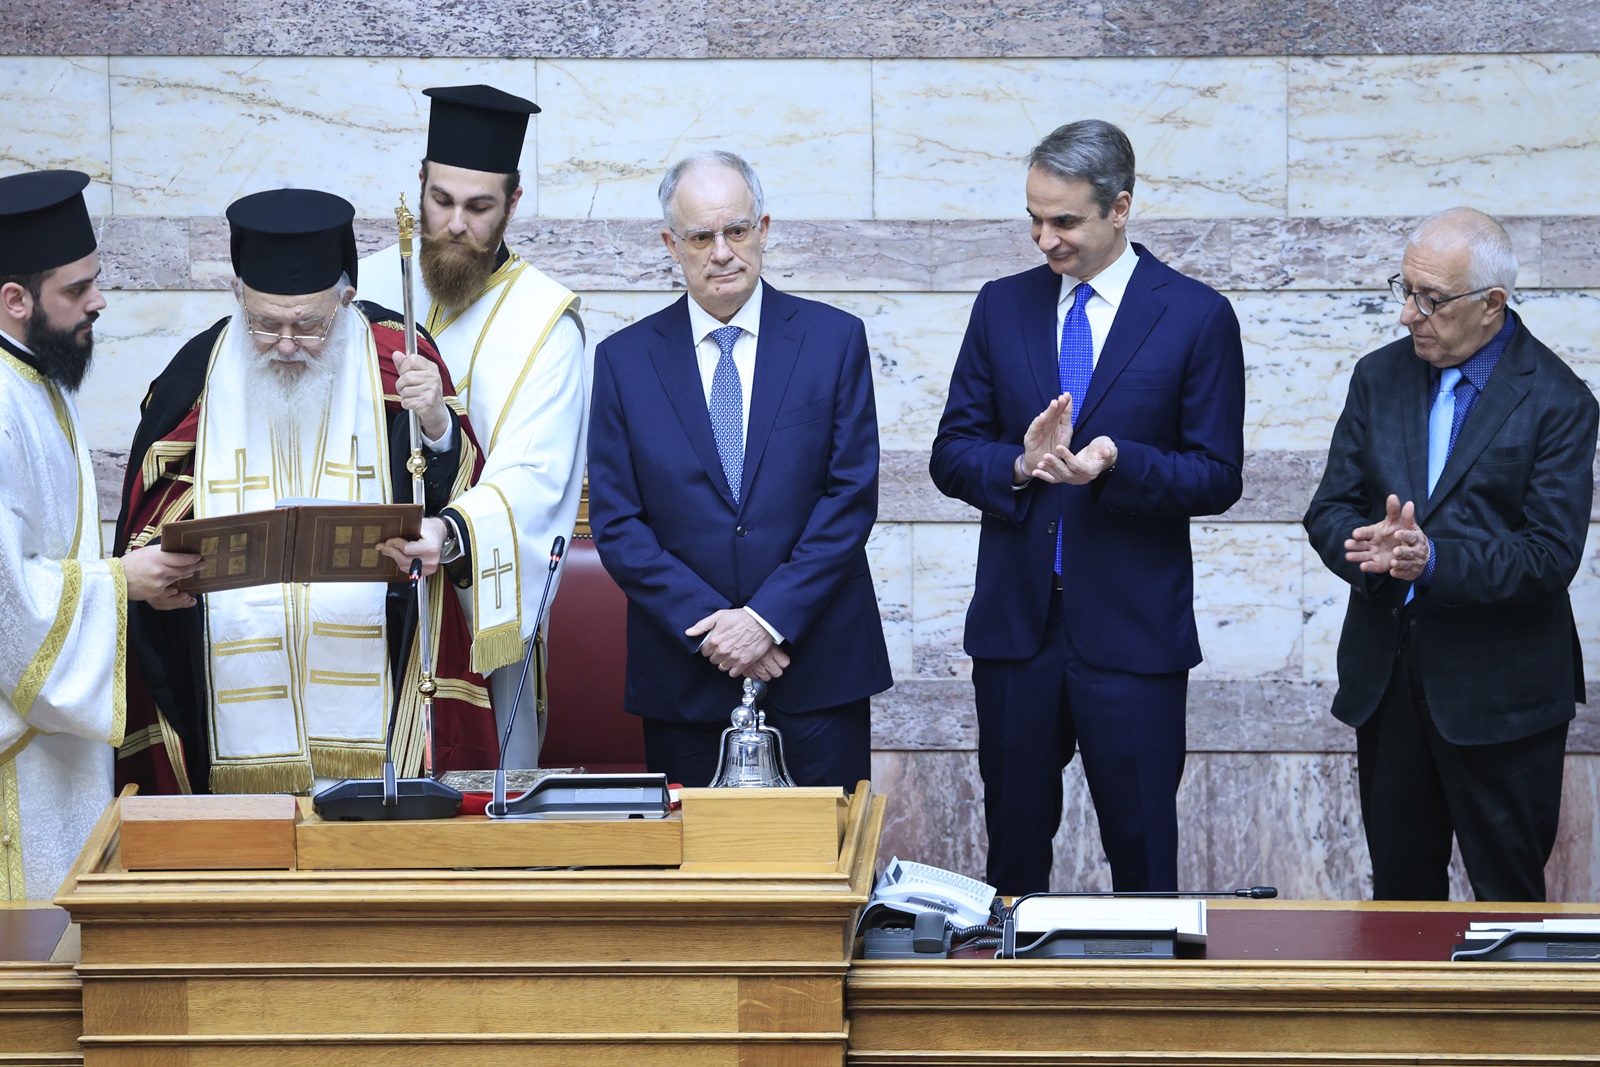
(1283, 155)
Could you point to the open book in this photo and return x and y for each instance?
(300, 540)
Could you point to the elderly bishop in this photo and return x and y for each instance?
(512, 338)
(301, 392)
(62, 654)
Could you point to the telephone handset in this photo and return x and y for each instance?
(962, 901)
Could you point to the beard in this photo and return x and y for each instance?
(293, 391)
(62, 357)
(456, 274)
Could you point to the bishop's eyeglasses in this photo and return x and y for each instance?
(263, 335)
(1426, 304)
(700, 240)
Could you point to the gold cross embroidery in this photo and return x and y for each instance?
(350, 472)
(495, 572)
(241, 485)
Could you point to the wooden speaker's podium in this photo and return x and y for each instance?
(720, 935)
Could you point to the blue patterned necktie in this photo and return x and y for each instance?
(1076, 365)
(727, 409)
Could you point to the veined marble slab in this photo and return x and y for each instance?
(944, 558)
(1410, 135)
(58, 117)
(189, 136)
(613, 129)
(889, 555)
(951, 136)
(1247, 599)
(137, 334)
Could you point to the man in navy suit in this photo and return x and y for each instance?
(733, 480)
(1081, 627)
(1455, 503)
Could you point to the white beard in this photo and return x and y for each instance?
(294, 393)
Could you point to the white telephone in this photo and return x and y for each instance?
(962, 901)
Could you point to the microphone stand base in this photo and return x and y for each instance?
(362, 800)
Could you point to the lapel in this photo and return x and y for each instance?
(1416, 378)
(1039, 340)
(1137, 315)
(672, 353)
(1508, 383)
(777, 352)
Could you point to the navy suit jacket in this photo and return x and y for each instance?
(1168, 388)
(1496, 645)
(793, 548)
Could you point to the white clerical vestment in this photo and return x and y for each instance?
(63, 638)
(518, 362)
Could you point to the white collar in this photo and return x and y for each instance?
(747, 318)
(1110, 283)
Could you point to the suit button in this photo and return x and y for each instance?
(1395, 612)
(1050, 529)
(741, 530)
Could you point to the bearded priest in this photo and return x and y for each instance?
(65, 608)
(301, 392)
(512, 337)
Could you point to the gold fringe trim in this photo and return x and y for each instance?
(261, 778)
(119, 668)
(16, 884)
(345, 761)
(497, 647)
(38, 671)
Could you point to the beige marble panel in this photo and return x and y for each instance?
(58, 117)
(944, 559)
(951, 135)
(1585, 594)
(889, 555)
(604, 313)
(137, 335)
(935, 811)
(614, 128)
(1573, 872)
(1323, 598)
(191, 135)
(1565, 320)
(1247, 599)
(1408, 135)
(914, 339)
(1299, 350)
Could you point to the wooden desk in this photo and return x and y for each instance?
(41, 1000)
(1310, 984)
(703, 964)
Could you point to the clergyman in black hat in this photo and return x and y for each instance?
(302, 391)
(512, 337)
(61, 660)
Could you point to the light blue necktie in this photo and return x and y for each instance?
(1076, 365)
(1441, 421)
(727, 409)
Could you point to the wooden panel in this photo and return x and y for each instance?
(791, 1002)
(211, 833)
(150, 1006)
(761, 829)
(477, 841)
(40, 1014)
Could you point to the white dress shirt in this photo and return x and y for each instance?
(708, 354)
(1109, 287)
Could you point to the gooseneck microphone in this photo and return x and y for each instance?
(1255, 892)
(497, 807)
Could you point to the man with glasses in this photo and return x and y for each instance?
(301, 392)
(511, 336)
(733, 480)
(1455, 502)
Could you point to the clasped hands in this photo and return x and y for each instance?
(740, 645)
(1394, 545)
(1046, 455)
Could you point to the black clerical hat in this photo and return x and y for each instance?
(43, 221)
(292, 242)
(477, 127)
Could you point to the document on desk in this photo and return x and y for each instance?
(1044, 912)
(1492, 929)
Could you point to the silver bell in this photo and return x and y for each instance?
(752, 751)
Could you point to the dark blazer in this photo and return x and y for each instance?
(1497, 647)
(1168, 388)
(793, 549)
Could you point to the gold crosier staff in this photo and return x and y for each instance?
(426, 687)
